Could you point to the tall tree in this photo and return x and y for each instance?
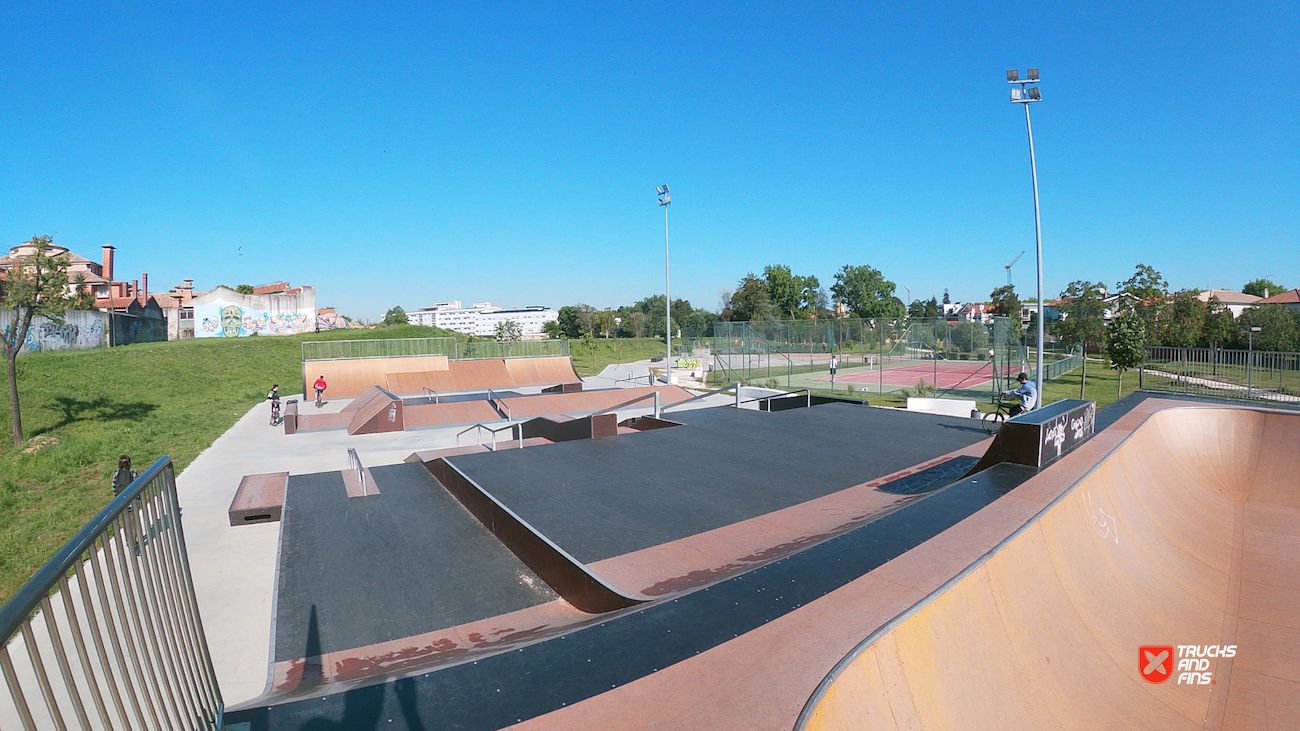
(751, 300)
(923, 308)
(1262, 288)
(1005, 303)
(1279, 327)
(395, 316)
(1184, 319)
(866, 292)
(1125, 343)
(508, 331)
(1150, 294)
(1083, 320)
(36, 285)
(1218, 329)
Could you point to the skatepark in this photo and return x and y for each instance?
(559, 552)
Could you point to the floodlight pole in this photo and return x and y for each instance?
(1026, 97)
(664, 201)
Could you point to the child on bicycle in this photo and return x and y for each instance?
(274, 398)
(1027, 393)
(319, 385)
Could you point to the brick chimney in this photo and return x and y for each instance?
(135, 289)
(108, 262)
(144, 288)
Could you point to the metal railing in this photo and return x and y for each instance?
(638, 399)
(377, 348)
(1245, 374)
(501, 407)
(431, 394)
(450, 347)
(354, 464)
(120, 599)
(477, 427)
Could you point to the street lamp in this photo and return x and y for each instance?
(664, 201)
(1250, 360)
(1027, 95)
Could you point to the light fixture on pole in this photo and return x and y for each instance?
(1027, 95)
(1250, 359)
(664, 201)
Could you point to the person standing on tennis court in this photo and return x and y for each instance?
(1027, 393)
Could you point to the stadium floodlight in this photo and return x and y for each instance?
(1027, 95)
(664, 201)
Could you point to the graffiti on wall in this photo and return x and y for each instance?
(79, 330)
(221, 319)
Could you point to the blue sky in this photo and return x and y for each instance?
(510, 151)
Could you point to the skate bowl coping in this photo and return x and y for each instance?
(1187, 534)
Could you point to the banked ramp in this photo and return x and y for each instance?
(1185, 538)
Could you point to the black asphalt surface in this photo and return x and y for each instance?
(387, 566)
(607, 497)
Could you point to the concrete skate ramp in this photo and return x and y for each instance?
(460, 375)
(350, 378)
(542, 371)
(1187, 534)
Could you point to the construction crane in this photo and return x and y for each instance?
(1013, 263)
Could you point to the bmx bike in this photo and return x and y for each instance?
(992, 420)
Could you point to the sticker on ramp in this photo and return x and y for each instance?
(1156, 662)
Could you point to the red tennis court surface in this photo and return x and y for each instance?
(970, 374)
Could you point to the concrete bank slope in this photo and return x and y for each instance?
(1187, 534)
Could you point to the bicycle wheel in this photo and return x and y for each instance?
(992, 421)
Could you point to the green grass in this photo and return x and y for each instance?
(590, 360)
(81, 409)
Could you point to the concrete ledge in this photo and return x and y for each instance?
(945, 406)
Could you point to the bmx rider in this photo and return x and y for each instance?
(1027, 393)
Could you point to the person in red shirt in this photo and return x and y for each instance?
(319, 385)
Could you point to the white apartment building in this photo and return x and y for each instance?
(481, 318)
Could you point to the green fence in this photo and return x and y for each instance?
(906, 356)
(450, 347)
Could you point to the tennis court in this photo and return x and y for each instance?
(961, 374)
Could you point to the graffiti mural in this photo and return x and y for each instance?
(79, 330)
(221, 319)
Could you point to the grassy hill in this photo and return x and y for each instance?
(81, 409)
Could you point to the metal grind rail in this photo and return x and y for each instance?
(477, 428)
(354, 464)
(110, 630)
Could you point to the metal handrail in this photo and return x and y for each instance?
(354, 463)
(650, 378)
(428, 391)
(642, 397)
(498, 404)
(135, 551)
(733, 387)
(494, 433)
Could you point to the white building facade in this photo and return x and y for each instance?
(481, 318)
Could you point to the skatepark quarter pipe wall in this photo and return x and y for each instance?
(1188, 534)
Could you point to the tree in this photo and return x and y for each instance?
(1217, 328)
(1083, 320)
(1005, 303)
(1150, 292)
(793, 296)
(553, 329)
(508, 331)
(1184, 319)
(1125, 342)
(923, 308)
(946, 301)
(36, 285)
(866, 292)
(395, 316)
(244, 289)
(83, 297)
(1279, 328)
(606, 322)
(751, 300)
(1262, 288)
(634, 322)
